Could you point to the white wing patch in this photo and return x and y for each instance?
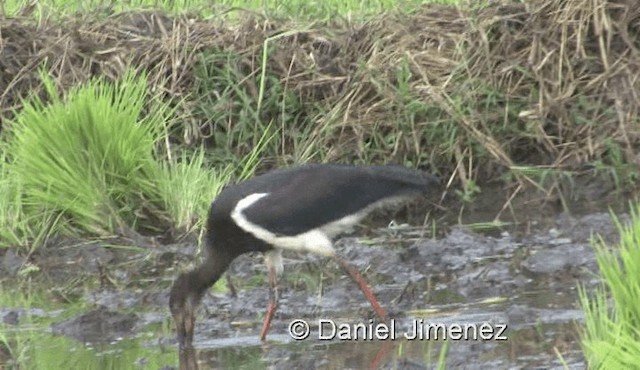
(315, 241)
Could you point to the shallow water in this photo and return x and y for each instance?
(102, 304)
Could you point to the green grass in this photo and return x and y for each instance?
(297, 9)
(187, 190)
(611, 337)
(238, 104)
(97, 162)
(243, 108)
(15, 230)
(87, 161)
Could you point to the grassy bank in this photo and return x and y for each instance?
(526, 93)
(319, 10)
(512, 92)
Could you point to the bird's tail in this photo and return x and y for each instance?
(413, 180)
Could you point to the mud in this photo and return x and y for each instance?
(524, 281)
(99, 325)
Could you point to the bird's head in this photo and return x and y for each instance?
(183, 301)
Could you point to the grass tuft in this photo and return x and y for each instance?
(87, 159)
(87, 164)
(611, 337)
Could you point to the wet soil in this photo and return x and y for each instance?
(522, 279)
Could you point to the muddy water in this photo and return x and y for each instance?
(506, 299)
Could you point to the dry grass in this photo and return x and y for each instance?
(472, 92)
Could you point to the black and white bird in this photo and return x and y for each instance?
(296, 209)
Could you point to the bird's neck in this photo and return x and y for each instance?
(205, 275)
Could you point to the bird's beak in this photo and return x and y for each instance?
(185, 321)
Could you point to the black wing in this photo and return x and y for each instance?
(304, 198)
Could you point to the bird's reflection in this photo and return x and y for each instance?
(187, 357)
(375, 359)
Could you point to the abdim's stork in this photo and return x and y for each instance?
(297, 209)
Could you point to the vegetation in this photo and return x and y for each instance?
(88, 164)
(126, 118)
(482, 95)
(300, 9)
(611, 339)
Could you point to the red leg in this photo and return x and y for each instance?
(273, 302)
(362, 283)
(382, 353)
